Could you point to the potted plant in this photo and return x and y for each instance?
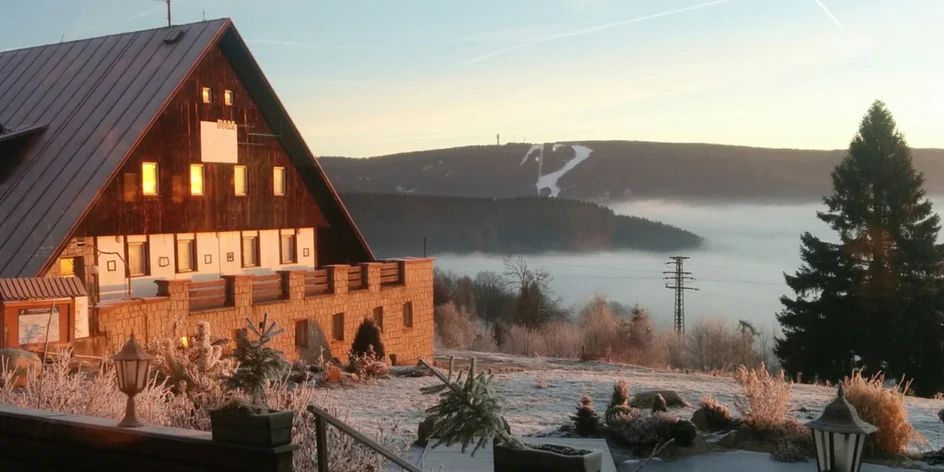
(468, 413)
(249, 421)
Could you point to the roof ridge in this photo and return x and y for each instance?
(6, 51)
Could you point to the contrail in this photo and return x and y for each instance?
(830, 14)
(594, 30)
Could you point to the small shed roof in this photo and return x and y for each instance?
(41, 288)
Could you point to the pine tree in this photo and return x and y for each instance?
(258, 363)
(873, 299)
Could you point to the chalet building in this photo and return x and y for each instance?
(160, 169)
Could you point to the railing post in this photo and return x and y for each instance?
(321, 442)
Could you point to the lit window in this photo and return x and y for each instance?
(278, 180)
(337, 326)
(408, 314)
(196, 179)
(67, 266)
(137, 259)
(239, 180)
(186, 254)
(288, 248)
(149, 178)
(207, 95)
(250, 251)
(228, 97)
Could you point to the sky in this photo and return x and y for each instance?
(374, 77)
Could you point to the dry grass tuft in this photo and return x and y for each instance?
(885, 408)
(717, 415)
(766, 401)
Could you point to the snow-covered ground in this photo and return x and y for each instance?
(545, 393)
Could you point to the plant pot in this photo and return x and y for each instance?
(252, 429)
(549, 458)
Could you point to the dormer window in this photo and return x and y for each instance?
(207, 95)
(228, 98)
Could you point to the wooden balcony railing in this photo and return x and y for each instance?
(356, 278)
(391, 273)
(317, 282)
(266, 288)
(207, 295)
(323, 418)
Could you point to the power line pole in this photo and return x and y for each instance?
(678, 277)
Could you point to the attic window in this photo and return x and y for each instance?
(207, 95)
(228, 98)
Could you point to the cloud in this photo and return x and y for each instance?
(829, 13)
(593, 30)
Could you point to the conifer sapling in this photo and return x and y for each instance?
(586, 420)
(258, 363)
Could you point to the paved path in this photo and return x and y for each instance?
(451, 459)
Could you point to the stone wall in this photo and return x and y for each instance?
(153, 319)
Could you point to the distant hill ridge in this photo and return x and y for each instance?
(613, 171)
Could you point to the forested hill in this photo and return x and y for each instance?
(394, 225)
(614, 171)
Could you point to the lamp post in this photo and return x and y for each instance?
(839, 436)
(131, 365)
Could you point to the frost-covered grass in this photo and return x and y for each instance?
(541, 397)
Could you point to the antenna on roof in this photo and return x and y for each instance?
(204, 14)
(62, 38)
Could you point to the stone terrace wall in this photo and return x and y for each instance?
(152, 319)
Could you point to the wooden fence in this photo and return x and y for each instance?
(207, 295)
(390, 274)
(266, 288)
(317, 283)
(355, 279)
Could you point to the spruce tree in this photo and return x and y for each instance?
(872, 298)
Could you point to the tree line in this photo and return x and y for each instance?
(872, 297)
(396, 225)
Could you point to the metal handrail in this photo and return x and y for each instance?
(322, 418)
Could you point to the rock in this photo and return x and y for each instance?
(424, 430)
(23, 363)
(684, 433)
(645, 399)
(729, 441)
(699, 420)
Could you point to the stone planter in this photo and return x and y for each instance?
(545, 458)
(239, 426)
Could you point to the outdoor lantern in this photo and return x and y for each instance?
(839, 435)
(131, 365)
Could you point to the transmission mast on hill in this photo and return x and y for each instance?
(676, 281)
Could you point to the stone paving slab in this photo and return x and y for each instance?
(451, 459)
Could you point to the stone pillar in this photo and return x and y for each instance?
(239, 290)
(337, 277)
(293, 284)
(373, 275)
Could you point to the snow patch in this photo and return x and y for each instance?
(403, 190)
(549, 181)
(534, 147)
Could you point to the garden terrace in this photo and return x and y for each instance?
(327, 304)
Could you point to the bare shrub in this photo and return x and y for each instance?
(766, 401)
(558, 339)
(455, 329)
(599, 328)
(713, 344)
(347, 454)
(883, 407)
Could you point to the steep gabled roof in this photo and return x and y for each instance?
(97, 98)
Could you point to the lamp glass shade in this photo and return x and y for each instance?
(839, 436)
(131, 365)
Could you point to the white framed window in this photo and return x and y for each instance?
(250, 249)
(207, 95)
(186, 253)
(278, 181)
(228, 98)
(287, 248)
(240, 180)
(196, 179)
(137, 258)
(149, 178)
